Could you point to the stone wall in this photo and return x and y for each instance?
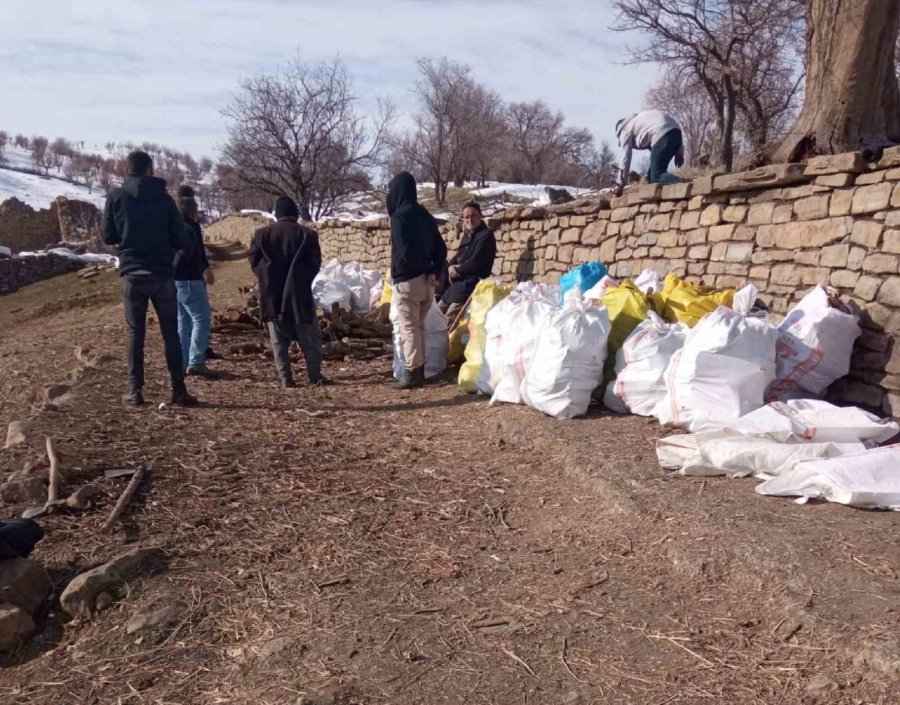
(834, 220)
(16, 272)
(24, 228)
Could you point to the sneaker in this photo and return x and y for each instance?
(201, 370)
(412, 379)
(181, 397)
(211, 354)
(134, 397)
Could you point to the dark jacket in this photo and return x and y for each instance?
(475, 259)
(191, 262)
(144, 222)
(286, 257)
(416, 244)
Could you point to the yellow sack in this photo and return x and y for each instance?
(487, 294)
(387, 291)
(687, 303)
(457, 349)
(627, 306)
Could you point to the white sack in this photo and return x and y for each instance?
(723, 370)
(521, 315)
(567, 362)
(5, 251)
(641, 363)
(649, 282)
(351, 285)
(327, 293)
(815, 341)
(735, 455)
(437, 342)
(870, 479)
(595, 293)
(816, 420)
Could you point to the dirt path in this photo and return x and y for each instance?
(355, 545)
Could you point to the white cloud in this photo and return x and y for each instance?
(161, 71)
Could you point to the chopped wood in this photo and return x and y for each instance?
(124, 499)
(53, 486)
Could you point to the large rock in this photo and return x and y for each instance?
(851, 162)
(764, 177)
(79, 597)
(24, 583)
(15, 625)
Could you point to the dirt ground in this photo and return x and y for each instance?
(354, 545)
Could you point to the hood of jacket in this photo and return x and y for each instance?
(401, 192)
(144, 188)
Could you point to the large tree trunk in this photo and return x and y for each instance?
(852, 100)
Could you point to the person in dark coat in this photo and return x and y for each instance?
(286, 257)
(192, 274)
(418, 257)
(472, 262)
(142, 220)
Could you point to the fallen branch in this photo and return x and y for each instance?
(124, 499)
(53, 486)
(520, 662)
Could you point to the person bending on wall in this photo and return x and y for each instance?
(472, 262)
(653, 130)
(142, 220)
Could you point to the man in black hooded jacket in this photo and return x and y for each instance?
(142, 220)
(286, 257)
(418, 257)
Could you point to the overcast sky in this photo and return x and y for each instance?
(161, 71)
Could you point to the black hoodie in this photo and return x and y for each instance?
(416, 244)
(144, 222)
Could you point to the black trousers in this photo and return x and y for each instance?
(137, 294)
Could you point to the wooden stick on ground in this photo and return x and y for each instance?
(461, 313)
(53, 486)
(124, 499)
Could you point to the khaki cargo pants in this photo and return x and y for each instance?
(414, 299)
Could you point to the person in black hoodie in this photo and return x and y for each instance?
(472, 262)
(142, 220)
(418, 257)
(286, 257)
(192, 274)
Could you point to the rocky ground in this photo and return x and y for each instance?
(355, 545)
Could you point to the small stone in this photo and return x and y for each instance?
(15, 434)
(163, 615)
(15, 625)
(84, 497)
(57, 394)
(104, 601)
(822, 683)
(24, 583)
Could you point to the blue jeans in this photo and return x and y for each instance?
(662, 153)
(193, 320)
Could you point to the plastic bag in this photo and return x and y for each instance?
(723, 370)
(521, 316)
(627, 306)
(736, 455)
(486, 295)
(687, 303)
(595, 293)
(436, 342)
(567, 362)
(641, 363)
(327, 293)
(649, 282)
(815, 341)
(335, 279)
(870, 479)
(584, 276)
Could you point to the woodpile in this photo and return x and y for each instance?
(346, 335)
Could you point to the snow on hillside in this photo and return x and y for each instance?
(537, 195)
(40, 191)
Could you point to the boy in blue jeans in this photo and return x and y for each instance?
(192, 275)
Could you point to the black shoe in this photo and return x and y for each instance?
(181, 397)
(133, 396)
(201, 370)
(211, 354)
(321, 382)
(288, 384)
(412, 379)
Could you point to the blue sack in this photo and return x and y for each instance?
(584, 276)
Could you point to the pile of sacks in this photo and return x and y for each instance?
(351, 286)
(711, 362)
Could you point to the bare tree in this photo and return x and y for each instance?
(296, 133)
(540, 143)
(22, 142)
(59, 150)
(39, 149)
(852, 99)
(718, 41)
(4, 140)
(681, 95)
